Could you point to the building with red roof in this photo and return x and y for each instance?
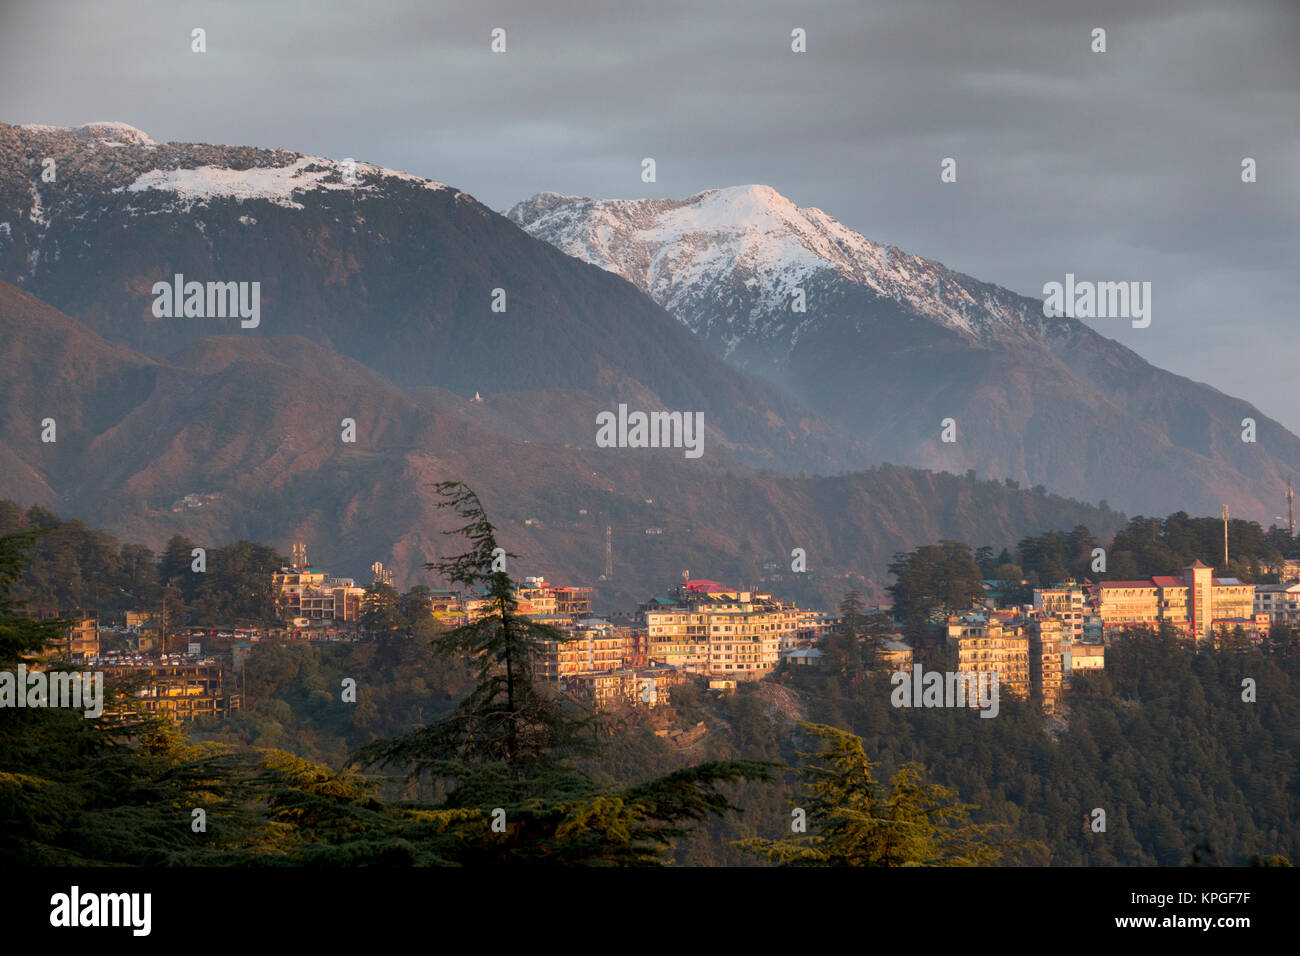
(1196, 604)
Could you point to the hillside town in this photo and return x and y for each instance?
(697, 629)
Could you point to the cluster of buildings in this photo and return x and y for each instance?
(194, 502)
(699, 628)
(308, 597)
(1030, 650)
(728, 635)
(702, 628)
(705, 628)
(1038, 648)
(182, 686)
(1195, 604)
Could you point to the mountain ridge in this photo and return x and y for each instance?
(393, 270)
(255, 423)
(890, 346)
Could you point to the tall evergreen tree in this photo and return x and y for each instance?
(505, 748)
(932, 581)
(854, 821)
(22, 639)
(507, 718)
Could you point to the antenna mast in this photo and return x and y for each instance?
(1290, 510)
(1225, 539)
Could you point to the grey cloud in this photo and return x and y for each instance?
(1123, 165)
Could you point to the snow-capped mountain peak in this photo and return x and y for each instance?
(752, 248)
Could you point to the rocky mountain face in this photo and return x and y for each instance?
(889, 345)
(414, 279)
(250, 428)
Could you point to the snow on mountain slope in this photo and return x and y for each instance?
(110, 133)
(198, 173)
(751, 244)
(276, 184)
(392, 270)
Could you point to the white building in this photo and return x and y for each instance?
(1281, 602)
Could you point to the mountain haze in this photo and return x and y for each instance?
(397, 272)
(254, 423)
(892, 344)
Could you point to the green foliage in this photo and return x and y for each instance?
(1146, 547)
(382, 613)
(22, 639)
(1150, 546)
(71, 566)
(504, 751)
(856, 822)
(934, 580)
(506, 718)
(853, 647)
(237, 585)
(1161, 739)
(293, 702)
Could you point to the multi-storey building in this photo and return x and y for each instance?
(1066, 602)
(810, 627)
(707, 629)
(989, 646)
(572, 602)
(478, 606)
(1082, 658)
(80, 638)
(181, 690)
(339, 599)
(313, 594)
(447, 607)
(640, 687)
(896, 655)
(1287, 571)
(1281, 602)
(1046, 638)
(83, 636)
(594, 647)
(636, 645)
(1196, 605)
(536, 598)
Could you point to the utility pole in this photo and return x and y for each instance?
(1290, 509)
(1225, 539)
(609, 553)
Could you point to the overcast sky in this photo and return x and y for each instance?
(1122, 165)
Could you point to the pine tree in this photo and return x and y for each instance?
(22, 639)
(506, 718)
(81, 791)
(502, 753)
(854, 821)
